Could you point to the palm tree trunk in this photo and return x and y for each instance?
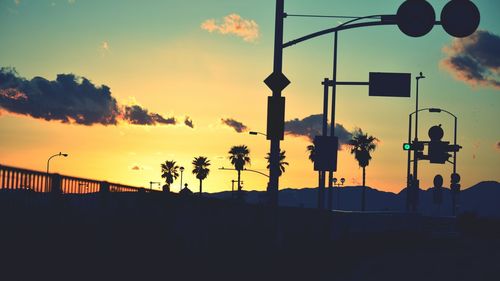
(200, 185)
(239, 185)
(319, 188)
(330, 191)
(363, 193)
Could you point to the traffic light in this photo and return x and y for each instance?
(459, 18)
(437, 193)
(415, 18)
(438, 150)
(418, 146)
(455, 182)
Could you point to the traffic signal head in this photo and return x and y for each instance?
(460, 18)
(418, 146)
(455, 178)
(436, 133)
(438, 181)
(415, 18)
(438, 152)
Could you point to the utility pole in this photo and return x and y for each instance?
(276, 105)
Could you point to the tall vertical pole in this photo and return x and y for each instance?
(415, 185)
(408, 164)
(275, 139)
(454, 194)
(180, 188)
(455, 143)
(334, 100)
(324, 132)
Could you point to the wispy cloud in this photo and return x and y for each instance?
(497, 146)
(234, 24)
(136, 168)
(105, 45)
(474, 60)
(188, 122)
(236, 125)
(17, 2)
(70, 99)
(71, 1)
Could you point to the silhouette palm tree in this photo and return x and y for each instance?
(361, 145)
(239, 156)
(169, 173)
(312, 152)
(282, 161)
(200, 169)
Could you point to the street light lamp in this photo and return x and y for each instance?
(48, 164)
(182, 170)
(257, 133)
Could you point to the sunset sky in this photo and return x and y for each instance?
(203, 61)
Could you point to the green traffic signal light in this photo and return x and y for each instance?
(406, 146)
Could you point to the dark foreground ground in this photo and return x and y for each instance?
(146, 237)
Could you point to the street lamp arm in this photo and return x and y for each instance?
(340, 27)
(248, 170)
(346, 26)
(257, 133)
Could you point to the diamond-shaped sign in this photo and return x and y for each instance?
(277, 81)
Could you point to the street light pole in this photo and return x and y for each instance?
(414, 183)
(48, 165)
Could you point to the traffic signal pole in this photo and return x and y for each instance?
(275, 138)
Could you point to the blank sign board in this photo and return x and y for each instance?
(390, 84)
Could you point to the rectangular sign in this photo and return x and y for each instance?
(390, 84)
(325, 153)
(275, 118)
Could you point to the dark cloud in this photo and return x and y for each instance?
(140, 116)
(66, 99)
(188, 122)
(498, 146)
(236, 125)
(311, 126)
(475, 59)
(69, 99)
(136, 168)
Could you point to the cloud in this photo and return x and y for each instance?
(136, 168)
(311, 126)
(69, 99)
(474, 60)
(234, 24)
(71, 1)
(236, 125)
(188, 122)
(497, 146)
(137, 115)
(105, 46)
(17, 2)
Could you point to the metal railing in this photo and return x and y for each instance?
(13, 178)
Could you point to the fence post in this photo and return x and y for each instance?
(103, 187)
(55, 186)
